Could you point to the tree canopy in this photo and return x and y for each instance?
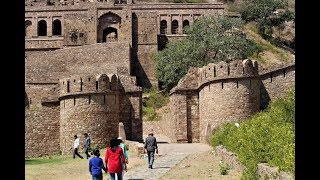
(210, 39)
(267, 13)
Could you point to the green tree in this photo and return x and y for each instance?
(267, 13)
(210, 39)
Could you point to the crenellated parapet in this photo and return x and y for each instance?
(232, 70)
(278, 67)
(89, 84)
(197, 77)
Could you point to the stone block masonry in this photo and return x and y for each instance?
(210, 96)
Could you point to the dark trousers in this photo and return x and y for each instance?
(75, 152)
(150, 157)
(86, 151)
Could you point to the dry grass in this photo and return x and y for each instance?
(202, 166)
(271, 55)
(66, 168)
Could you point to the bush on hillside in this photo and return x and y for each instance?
(153, 101)
(268, 137)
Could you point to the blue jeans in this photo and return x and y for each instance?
(97, 177)
(150, 157)
(113, 176)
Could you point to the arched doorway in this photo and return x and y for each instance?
(110, 34)
(108, 28)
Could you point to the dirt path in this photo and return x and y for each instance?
(174, 161)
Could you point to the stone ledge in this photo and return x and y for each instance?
(135, 146)
(264, 170)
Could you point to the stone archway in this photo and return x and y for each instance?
(110, 34)
(108, 27)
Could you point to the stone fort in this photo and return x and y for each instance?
(87, 62)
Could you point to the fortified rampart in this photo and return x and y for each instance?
(89, 104)
(95, 104)
(225, 92)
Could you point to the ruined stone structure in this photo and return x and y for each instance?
(218, 93)
(86, 63)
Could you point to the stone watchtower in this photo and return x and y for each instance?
(89, 104)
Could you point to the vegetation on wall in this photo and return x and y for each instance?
(153, 100)
(269, 136)
(209, 40)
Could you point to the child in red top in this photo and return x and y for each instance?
(114, 159)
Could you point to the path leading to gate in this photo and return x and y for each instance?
(170, 154)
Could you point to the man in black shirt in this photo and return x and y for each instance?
(150, 146)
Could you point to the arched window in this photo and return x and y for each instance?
(174, 27)
(42, 28)
(163, 27)
(27, 32)
(56, 27)
(185, 25)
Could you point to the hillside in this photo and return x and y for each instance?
(271, 55)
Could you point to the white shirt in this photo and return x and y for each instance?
(76, 143)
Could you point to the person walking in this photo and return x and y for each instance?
(114, 159)
(87, 143)
(120, 142)
(96, 165)
(150, 146)
(75, 147)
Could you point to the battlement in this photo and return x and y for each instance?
(88, 84)
(278, 67)
(196, 77)
(223, 70)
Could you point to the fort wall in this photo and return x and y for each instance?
(77, 60)
(42, 130)
(66, 24)
(276, 82)
(89, 105)
(224, 92)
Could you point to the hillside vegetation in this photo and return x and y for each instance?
(268, 136)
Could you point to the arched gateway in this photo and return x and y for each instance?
(108, 28)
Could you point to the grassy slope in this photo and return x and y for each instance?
(271, 54)
(266, 137)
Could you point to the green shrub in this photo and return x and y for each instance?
(268, 136)
(150, 113)
(153, 101)
(224, 168)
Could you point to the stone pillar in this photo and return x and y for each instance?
(121, 131)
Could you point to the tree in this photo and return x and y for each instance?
(267, 13)
(210, 39)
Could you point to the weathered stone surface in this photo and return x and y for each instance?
(207, 97)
